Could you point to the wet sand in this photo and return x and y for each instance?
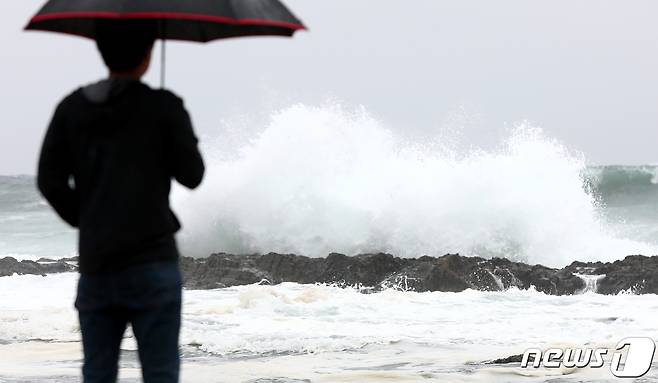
(61, 362)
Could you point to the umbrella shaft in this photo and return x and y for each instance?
(163, 52)
(162, 63)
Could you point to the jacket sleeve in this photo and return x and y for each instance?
(55, 170)
(185, 158)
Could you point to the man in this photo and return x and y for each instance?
(106, 166)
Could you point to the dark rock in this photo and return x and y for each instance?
(373, 272)
(451, 272)
(511, 359)
(290, 267)
(365, 269)
(220, 270)
(634, 274)
(10, 266)
(57, 267)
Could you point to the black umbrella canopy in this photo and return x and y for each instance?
(188, 20)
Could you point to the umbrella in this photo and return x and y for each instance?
(187, 20)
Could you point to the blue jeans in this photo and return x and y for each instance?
(147, 296)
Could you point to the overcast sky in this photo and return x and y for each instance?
(584, 71)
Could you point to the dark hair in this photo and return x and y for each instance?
(124, 44)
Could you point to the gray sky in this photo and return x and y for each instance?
(586, 71)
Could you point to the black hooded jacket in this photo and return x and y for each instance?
(106, 166)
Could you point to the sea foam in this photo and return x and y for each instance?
(265, 333)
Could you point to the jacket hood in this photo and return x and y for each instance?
(106, 90)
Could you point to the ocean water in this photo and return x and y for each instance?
(29, 229)
(321, 179)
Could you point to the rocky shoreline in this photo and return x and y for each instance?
(634, 274)
(10, 266)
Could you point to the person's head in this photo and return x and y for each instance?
(126, 45)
